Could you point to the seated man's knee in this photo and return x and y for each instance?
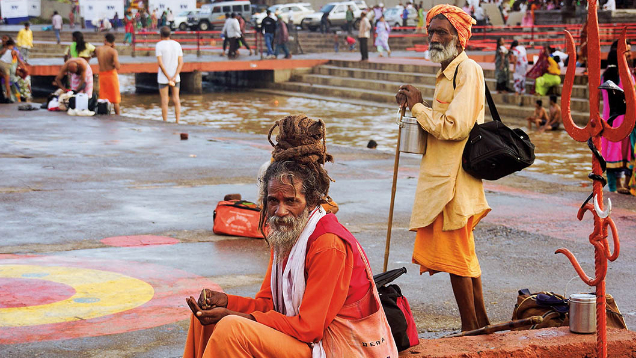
(228, 328)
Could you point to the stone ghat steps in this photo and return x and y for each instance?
(416, 68)
(506, 104)
(427, 88)
(315, 42)
(424, 76)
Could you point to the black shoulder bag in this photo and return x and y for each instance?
(493, 150)
(397, 309)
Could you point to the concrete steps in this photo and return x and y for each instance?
(378, 82)
(417, 68)
(317, 42)
(423, 82)
(507, 105)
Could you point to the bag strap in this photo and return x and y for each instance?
(455, 76)
(491, 104)
(369, 274)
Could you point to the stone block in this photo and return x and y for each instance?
(539, 343)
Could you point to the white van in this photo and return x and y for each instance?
(299, 11)
(337, 15)
(213, 15)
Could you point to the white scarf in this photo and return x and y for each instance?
(288, 285)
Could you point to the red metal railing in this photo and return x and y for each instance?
(190, 40)
(485, 37)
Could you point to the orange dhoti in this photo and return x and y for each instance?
(109, 86)
(237, 337)
(447, 251)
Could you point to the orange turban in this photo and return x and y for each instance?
(460, 20)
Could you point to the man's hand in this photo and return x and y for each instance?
(209, 299)
(209, 316)
(408, 96)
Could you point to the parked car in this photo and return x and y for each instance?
(258, 8)
(393, 16)
(337, 15)
(300, 10)
(213, 15)
(181, 20)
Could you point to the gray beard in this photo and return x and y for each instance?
(440, 54)
(284, 232)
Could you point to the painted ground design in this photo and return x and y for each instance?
(46, 298)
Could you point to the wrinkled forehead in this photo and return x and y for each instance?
(287, 185)
(440, 22)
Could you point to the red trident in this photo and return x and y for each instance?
(592, 133)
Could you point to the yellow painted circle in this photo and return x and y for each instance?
(97, 293)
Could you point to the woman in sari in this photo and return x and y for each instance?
(382, 31)
(618, 155)
(153, 19)
(502, 66)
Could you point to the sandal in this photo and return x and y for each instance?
(27, 107)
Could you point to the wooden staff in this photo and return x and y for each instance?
(499, 327)
(395, 173)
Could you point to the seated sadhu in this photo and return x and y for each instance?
(318, 298)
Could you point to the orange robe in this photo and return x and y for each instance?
(329, 266)
(451, 251)
(109, 86)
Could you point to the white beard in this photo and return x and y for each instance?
(440, 53)
(284, 232)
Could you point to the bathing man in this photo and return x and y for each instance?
(448, 201)
(81, 76)
(108, 66)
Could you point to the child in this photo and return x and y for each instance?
(336, 41)
(351, 42)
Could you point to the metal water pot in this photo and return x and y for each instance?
(412, 136)
(582, 313)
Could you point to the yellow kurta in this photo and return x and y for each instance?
(443, 185)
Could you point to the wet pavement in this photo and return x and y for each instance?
(69, 182)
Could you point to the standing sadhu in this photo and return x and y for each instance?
(449, 202)
(318, 298)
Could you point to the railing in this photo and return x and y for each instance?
(485, 37)
(190, 40)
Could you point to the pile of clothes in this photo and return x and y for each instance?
(65, 101)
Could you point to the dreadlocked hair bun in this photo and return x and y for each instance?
(300, 139)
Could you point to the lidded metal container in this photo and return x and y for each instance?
(412, 136)
(582, 313)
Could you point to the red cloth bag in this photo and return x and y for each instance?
(237, 218)
(411, 330)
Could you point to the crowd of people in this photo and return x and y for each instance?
(276, 34)
(546, 70)
(76, 75)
